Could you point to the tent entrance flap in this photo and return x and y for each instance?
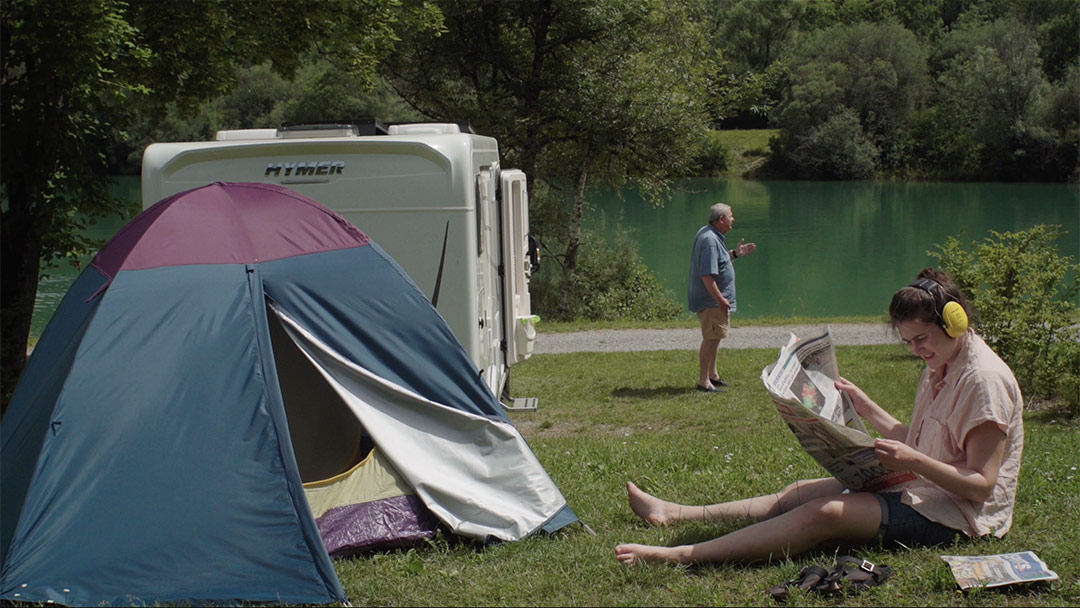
(475, 473)
(359, 501)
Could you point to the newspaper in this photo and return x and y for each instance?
(801, 384)
(997, 570)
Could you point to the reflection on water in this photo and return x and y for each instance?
(824, 248)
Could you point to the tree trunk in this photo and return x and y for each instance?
(573, 244)
(21, 265)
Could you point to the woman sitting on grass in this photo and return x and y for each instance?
(964, 446)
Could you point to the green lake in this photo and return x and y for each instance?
(835, 248)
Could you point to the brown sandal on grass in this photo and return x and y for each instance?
(851, 576)
(808, 578)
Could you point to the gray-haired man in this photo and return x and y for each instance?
(711, 291)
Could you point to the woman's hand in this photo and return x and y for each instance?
(896, 455)
(863, 404)
(873, 413)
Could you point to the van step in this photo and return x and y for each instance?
(523, 403)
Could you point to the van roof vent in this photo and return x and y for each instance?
(368, 126)
(243, 134)
(424, 128)
(307, 131)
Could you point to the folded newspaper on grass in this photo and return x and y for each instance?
(997, 570)
(801, 384)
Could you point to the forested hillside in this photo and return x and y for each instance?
(858, 89)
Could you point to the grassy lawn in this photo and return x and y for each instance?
(747, 148)
(608, 418)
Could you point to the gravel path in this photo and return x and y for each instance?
(613, 340)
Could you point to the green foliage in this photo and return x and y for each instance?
(943, 149)
(755, 33)
(197, 44)
(1024, 293)
(990, 88)
(1061, 116)
(319, 92)
(871, 73)
(75, 74)
(65, 67)
(835, 149)
(714, 158)
(612, 89)
(610, 283)
(1058, 28)
(993, 102)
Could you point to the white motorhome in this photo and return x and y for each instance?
(432, 196)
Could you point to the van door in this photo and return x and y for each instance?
(488, 304)
(520, 323)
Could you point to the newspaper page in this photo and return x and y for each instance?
(801, 384)
(998, 570)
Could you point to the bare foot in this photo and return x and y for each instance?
(650, 508)
(628, 555)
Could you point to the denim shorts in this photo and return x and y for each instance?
(904, 526)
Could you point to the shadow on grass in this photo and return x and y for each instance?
(1054, 415)
(627, 392)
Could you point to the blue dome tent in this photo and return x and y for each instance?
(240, 385)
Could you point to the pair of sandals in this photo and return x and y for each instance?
(851, 576)
(716, 386)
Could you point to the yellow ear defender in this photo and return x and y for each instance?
(954, 319)
(951, 314)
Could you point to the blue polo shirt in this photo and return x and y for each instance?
(710, 256)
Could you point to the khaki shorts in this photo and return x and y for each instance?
(714, 323)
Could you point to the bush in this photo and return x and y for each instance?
(836, 149)
(848, 100)
(610, 283)
(714, 158)
(1025, 295)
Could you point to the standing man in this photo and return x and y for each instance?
(711, 293)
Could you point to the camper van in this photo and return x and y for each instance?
(431, 194)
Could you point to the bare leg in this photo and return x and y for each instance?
(848, 518)
(707, 361)
(661, 512)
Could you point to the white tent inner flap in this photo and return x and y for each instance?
(476, 474)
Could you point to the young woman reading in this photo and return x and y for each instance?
(964, 445)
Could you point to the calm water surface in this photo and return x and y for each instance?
(835, 248)
(824, 248)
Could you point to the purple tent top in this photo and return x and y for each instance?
(227, 223)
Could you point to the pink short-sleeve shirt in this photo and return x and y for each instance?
(978, 387)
